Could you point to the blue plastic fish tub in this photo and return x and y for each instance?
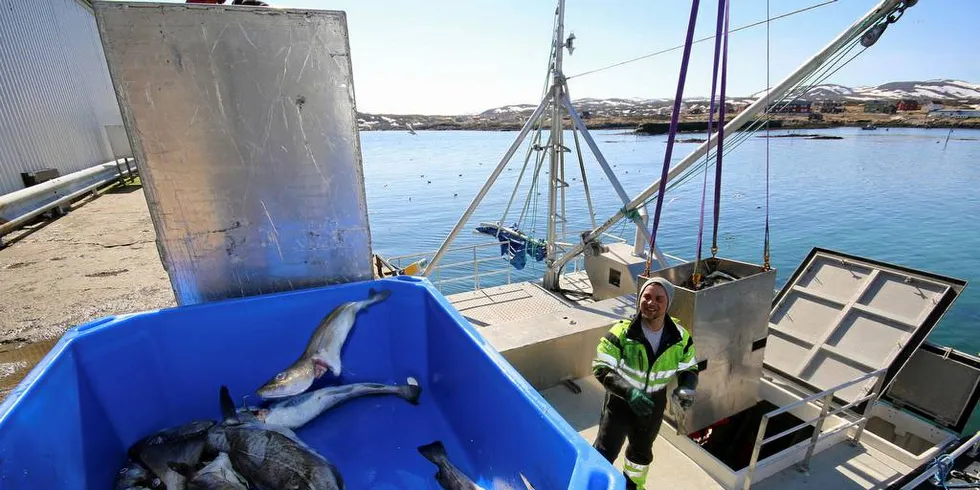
(110, 382)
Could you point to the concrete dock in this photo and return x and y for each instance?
(98, 260)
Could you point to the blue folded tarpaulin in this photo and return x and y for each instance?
(514, 244)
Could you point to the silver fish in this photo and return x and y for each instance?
(216, 475)
(294, 412)
(449, 476)
(271, 457)
(322, 352)
(182, 444)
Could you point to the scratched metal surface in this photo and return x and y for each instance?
(243, 125)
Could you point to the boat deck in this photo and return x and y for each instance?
(840, 467)
(514, 316)
(520, 301)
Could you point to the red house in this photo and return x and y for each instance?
(908, 105)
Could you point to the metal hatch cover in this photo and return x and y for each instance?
(841, 316)
(243, 125)
(939, 383)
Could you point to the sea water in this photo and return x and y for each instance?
(900, 195)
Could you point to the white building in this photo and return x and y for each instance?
(955, 113)
(57, 97)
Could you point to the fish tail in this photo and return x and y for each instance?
(411, 391)
(227, 404)
(375, 297)
(444, 480)
(434, 451)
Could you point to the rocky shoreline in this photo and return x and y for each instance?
(647, 126)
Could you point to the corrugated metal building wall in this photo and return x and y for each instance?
(55, 91)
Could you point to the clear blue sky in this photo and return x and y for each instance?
(458, 57)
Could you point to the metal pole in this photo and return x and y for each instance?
(875, 393)
(623, 196)
(805, 464)
(585, 179)
(14, 223)
(486, 186)
(53, 187)
(527, 158)
(640, 238)
(811, 65)
(754, 460)
(556, 132)
(564, 185)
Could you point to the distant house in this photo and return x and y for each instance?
(879, 107)
(794, 107)
(829, 107)
(735, 107)
(815, 116)
(907, 105)
(934, 106)
(732, 107)
(955, 113)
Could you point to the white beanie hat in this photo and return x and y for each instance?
(664, 283)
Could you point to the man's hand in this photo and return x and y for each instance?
(640, 403)
(683, 397)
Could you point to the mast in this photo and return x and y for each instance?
(879, 12)
(557, 155)
(558, 100)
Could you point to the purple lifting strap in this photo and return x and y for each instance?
(673, 126)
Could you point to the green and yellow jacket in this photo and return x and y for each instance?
(625, 359)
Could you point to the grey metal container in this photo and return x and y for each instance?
(729, 323)
(243, 125)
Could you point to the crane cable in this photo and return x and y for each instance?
(720, 39)
(675, 48)
(534, 142)
(721, 136)
(765, 246)
(673, 130)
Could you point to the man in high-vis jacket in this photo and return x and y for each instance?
(635, 361)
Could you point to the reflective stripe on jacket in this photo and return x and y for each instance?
(624, 349)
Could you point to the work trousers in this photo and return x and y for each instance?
(618, 424)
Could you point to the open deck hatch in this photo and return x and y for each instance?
(840, 316)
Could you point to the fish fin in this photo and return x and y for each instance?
(434, 451)
(334, 365)
(174, 480)
(412, 391)
(527, 484)
(227, 404)
(375, 296)
(183, 469)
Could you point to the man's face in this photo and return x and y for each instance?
(653, 302)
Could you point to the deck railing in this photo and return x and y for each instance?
(826, 398)
(458, 272)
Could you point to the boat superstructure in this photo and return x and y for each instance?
(827, 382)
